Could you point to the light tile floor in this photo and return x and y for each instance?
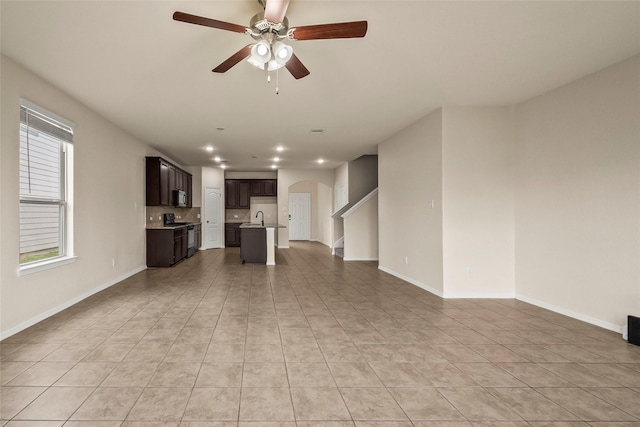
(310, 342)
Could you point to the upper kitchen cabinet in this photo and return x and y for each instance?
(231, 193)
(163, 178)
(263, 187)
(243, 195)
(237, 194)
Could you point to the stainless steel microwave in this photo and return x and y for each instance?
(180, 198)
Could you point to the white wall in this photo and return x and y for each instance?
(363, 177)
(268, 206)
(251, 175)
(320, 199)
(409, 175)
(341, 178)
(109, 205)
(578, 197)
(361, 232)
(478, 202)
(289, 177)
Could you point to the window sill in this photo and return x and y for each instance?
(45, 265)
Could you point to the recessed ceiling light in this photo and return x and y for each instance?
(279, 148)
(217, 159)
(276, 159)
(223, 166)
(321, 161)
(274, 166)
(209, 148)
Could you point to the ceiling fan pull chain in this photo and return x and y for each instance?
(277, 81)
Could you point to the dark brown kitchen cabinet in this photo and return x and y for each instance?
(166, 246)
(254, 245)
(256, 188)
(158, 182)
(189, 190)
(244, 201)
(231, 235)
(179, 179)
(172, 182)
(269, 187)
(180, 243)
(231, 194)
(237, 194)
(263, 187)
(197, 234)
(162, 178)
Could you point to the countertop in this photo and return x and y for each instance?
(170, 227)
(257, 225)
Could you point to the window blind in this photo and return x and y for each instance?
(45, 124)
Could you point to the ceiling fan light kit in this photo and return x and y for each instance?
(269, 28)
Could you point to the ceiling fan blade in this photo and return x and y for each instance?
(275, 10)
(343, 30)
(296, 68)
(233, 59)
(208, 22)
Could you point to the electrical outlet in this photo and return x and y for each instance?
(150, 218)
(406, 260)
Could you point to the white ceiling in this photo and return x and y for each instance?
(150, 75)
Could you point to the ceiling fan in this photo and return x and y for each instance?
(269, 29)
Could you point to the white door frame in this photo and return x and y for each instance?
(208, 241)
(302, 197)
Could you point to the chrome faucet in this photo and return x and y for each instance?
(261, 222)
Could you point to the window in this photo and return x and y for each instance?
(45, 147)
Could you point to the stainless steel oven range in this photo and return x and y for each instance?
(169, 220)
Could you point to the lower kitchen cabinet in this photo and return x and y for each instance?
(197, 230)
(166, 247)
(231, 235)
(254, 245)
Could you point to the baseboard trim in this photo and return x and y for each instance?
(320, 241)
(360, 259)
(578, 316)
(507, 295)
(40, 317)
(410, 280)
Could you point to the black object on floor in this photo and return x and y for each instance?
(634, 330)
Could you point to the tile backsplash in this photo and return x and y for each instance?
(237, 215)
(154, 214)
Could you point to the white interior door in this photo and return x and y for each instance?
(299, 216)
(213, 237)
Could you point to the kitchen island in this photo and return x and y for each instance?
(258, 243)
